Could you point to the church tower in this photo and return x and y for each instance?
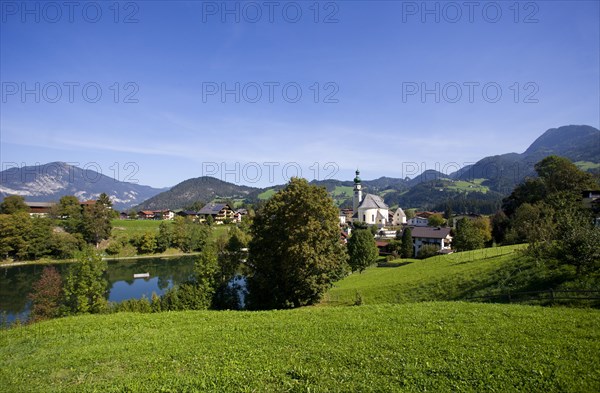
(357, 193)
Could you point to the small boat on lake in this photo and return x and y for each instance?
(141, 275)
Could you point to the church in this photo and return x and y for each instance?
(370, 209)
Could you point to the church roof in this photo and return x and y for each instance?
(371, 201)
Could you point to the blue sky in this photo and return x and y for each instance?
(495, 77)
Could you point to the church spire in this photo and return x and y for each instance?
(357, 199)
(357, 178)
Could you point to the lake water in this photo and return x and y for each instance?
(16, 282)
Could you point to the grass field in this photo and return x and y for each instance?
(263, 196)
(587, 165)
(438, 347)
(446, 277)
(132, 227)
(465, 186)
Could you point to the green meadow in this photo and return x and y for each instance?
(407, 336)
(415, 347)
(445, 277)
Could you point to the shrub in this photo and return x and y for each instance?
(427, 251)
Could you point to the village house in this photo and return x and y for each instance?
(218, 211)
(41, 209)
(238, 214)
(146, 215)
(440, 237)
(399, 217)
(418, 221)
(370, 209)
(164, 214)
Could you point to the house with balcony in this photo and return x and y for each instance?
(218, 211)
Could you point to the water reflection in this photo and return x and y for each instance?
(16, 282)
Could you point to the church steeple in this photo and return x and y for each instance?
(357, 199)
(357, 178)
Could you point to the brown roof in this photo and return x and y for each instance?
(430, 232)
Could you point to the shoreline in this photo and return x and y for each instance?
(71, 260)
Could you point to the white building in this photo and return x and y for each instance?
(418, 221)
(370, 209)
(399, 217)
(440, 237)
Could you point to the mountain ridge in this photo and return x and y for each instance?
(497, 174)
(49, 182)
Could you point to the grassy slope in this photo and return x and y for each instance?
(587, 165)
(448, 277)
(135, 226)
(412, 347)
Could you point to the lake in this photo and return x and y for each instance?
(16, 282)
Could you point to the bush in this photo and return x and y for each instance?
(427, 251)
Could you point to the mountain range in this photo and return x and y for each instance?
(484, 182)
(49, 182)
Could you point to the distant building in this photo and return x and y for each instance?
(146, 215)
(218, 211)
(418, 221)
(40, 208)
(370, 209)
(399, 217)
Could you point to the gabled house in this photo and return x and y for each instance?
(431, 235)
(40, 208)
(218, 211)
(146, 215)
(164, 214)
(238, 214)
(399, 217)
(188, 213)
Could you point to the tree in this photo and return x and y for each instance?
(165, 237)
(436, 220)
(147, 243)
(46, 295)
(407, 243)
(467, 236)
(427, 251)
(14, 231)
(500, 224)
(295, 251)
(578, 246)
(70, 213)
(97, 220)
(362, 250)
(197, 293)
(533, 224)
(85, 286)
(66, 245)
(188, 235)
(560, 174)
(556, 175)
(206, 270)
(13, 204)
(448, 212)
(483, 225)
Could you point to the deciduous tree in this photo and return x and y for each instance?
(295, 251)
(13, 204)
(362, 250)
(85, 286)
(46, 295)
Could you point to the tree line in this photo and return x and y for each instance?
(67, 229)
